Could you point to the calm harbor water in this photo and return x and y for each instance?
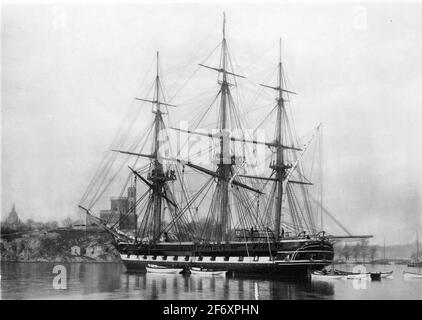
(112, 281)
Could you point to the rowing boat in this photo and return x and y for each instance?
(318, 275)
(152, 268)
(207, 272)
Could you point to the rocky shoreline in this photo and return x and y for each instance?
(64, 245)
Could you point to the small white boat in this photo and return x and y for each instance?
(411, 275)
(318, 275)
(152, 268)
(207, 272)
(359, 276)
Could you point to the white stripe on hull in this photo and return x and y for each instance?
(169, 260)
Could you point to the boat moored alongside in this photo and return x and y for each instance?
(321, 276)
(207, 272)
(152, 268)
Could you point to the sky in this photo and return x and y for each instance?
(70, 73)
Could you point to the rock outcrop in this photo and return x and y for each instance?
(64, 245)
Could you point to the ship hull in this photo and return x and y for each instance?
(292, 258)
(275, 269)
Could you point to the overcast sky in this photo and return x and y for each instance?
(70, 72)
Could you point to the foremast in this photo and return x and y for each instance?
(279, 166)
(157, 175)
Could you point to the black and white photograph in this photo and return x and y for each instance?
(214, 151)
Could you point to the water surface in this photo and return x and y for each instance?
(112, 281)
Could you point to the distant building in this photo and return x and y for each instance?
(12, 219)
(121, 211)
(109, 217)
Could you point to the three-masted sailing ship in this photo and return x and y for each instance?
(235, 220)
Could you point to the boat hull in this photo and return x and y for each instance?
(207, 273)
(164, 270)
(412, 275)
(318, 276)
(275, 269)
(293, 258)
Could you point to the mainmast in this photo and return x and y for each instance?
(157, 169)
(225, 159)
(158, 118)
(225, 163)
(279, 160)
(224, 166)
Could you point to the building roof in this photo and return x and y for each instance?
(13, 217)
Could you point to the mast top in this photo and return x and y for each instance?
(279, 86)
(157, 62)
(156, 99)
(224, 25)
(280, 52)
(223, 62)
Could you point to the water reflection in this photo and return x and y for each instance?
(111, 281)
(175, 286)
